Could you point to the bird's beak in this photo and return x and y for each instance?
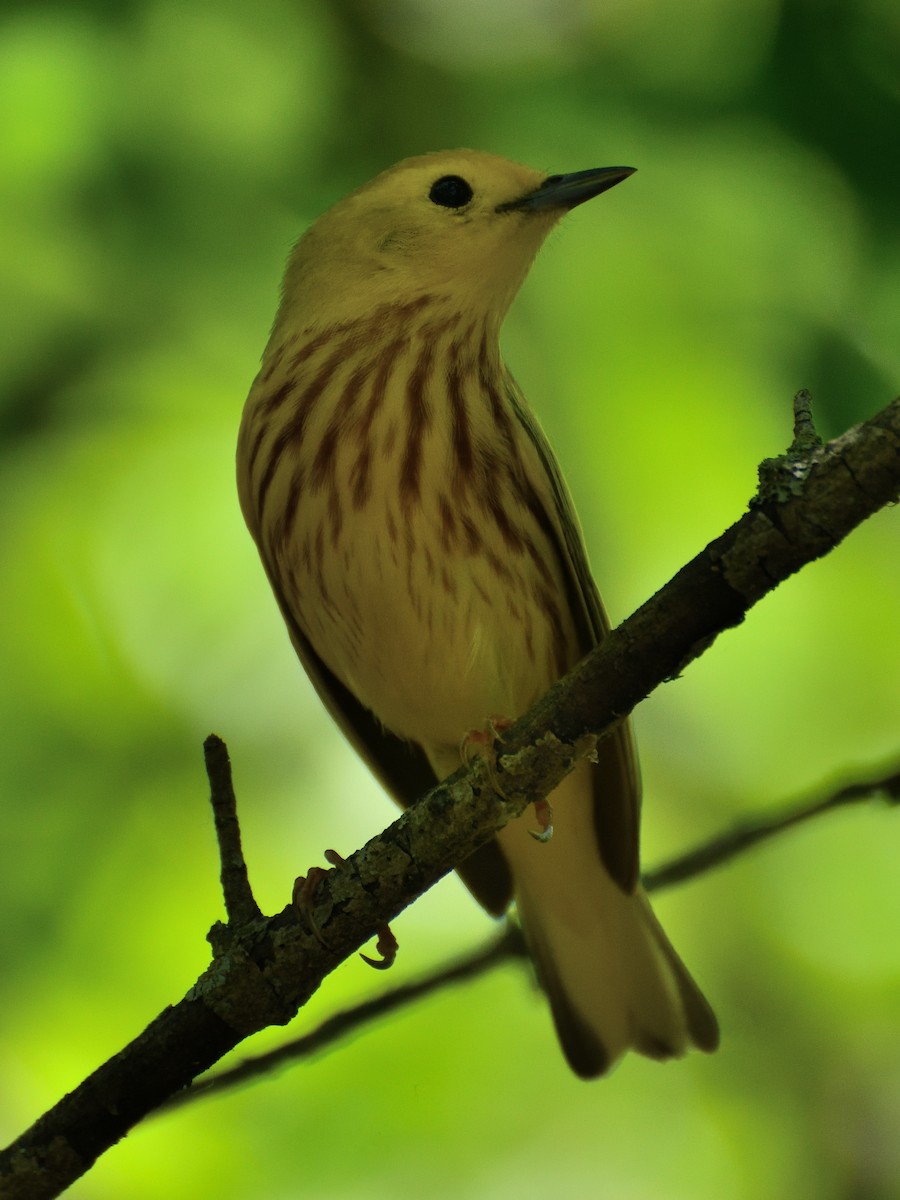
(565, 191)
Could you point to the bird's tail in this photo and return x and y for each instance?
(613, 980)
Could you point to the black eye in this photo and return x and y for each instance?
(450, 191)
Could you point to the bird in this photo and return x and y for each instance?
(428, 562)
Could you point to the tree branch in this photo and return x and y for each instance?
(509, 945)
(755, 830)
(265, 968)
(504, 947)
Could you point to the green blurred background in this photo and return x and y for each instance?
(156, 162)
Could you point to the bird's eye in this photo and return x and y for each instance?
(450, 191)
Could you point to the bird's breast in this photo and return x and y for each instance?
(404, 534)
(434, 632)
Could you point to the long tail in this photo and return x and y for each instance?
(613, 980)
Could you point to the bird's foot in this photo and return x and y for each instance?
(304, 893)
(483, 742)
(302, 899)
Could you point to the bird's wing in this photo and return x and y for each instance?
(617, 793)
(401, 767)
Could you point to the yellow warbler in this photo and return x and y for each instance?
(429, 565)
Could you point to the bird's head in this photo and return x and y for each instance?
(460, 224)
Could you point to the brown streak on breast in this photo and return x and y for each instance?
(448, 523)
(473, 536)
(483, 593)
(499, 566)
(540, 562)
(418, 413)
(259, 434)
(359, 477)
(288, 514)
(461, 436)
(544, 522)
(504, 422)
(272, 365)
(308, 349)
(275, 399)
(324, 466)
(559, 648)
(325, 463)
(380, 369)
(291, 433)
(510, 533)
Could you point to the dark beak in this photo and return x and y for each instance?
(565, 191)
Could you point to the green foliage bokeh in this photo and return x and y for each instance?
(156, 162)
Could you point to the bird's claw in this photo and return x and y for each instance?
(483, 741)
(387, 946)
(544, 814)
(302, 899)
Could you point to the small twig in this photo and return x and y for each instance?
(240, 903)
(511, 945)
(725, 846)
(806, 438)
(784, 476)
